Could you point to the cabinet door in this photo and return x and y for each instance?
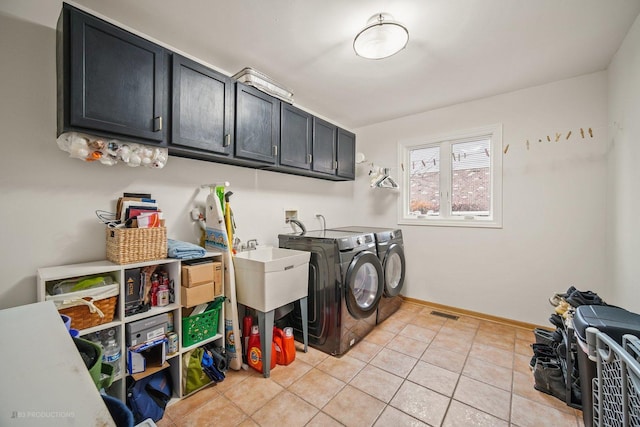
(324, 146)
(346, 154)
(257, 125)
(202, 107)
(117, 80)
(296, 128)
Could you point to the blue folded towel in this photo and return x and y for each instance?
(184, 250)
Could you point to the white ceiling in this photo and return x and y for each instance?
(458, 50)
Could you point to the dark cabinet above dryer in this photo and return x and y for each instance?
(346, 153)
(324, 146)
(110, 82)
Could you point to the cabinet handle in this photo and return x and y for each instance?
(275, 150)
(157, 124)
(309, 158)
(335, 165)
(227, 140)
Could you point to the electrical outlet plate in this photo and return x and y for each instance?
(290, 214)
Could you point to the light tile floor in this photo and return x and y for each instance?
(414, 369)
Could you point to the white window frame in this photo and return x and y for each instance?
(493, 220)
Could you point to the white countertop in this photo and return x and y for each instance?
(44, 381)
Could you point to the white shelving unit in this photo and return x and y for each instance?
(50, 275)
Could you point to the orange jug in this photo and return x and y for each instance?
(278, 342)
(254, 353)
(288, 346)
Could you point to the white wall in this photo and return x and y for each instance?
(553, 202)
(48, 199)
(624, 174)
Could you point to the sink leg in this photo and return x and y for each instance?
(265, 325)
(305, 321)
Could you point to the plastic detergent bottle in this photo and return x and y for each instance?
(254, 353)
(162, 295)
(155, 284)
(288, 346)
(278, 338)
(247, 324)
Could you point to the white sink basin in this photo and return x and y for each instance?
(268, 278)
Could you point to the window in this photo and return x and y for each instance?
(453, 180)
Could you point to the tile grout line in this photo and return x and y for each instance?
(405, 379)
(462, 333)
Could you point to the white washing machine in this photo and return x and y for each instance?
(390, 250)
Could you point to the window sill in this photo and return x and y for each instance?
(451, 222)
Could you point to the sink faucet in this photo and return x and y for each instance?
(252, 244)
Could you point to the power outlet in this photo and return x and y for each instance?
(290, 214)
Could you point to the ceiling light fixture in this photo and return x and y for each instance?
(381, 37)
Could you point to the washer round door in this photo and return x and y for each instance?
(364, 285)
(393, 266)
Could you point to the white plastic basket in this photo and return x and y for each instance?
(84, 297)
(264, 83)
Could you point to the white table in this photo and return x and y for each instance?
(43, 380)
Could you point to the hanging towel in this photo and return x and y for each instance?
(184, 250)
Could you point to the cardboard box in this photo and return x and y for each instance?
(147, 358)
(217, 278)
(197, 294)
(197, 274)
(145, 330)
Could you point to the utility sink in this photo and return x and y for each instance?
(268, 278)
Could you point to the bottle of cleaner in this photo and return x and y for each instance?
(247, 323)
(288, 346)
(155, 284)
(278, 341)
(254, 353)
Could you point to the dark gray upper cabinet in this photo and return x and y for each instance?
(113, 82)
(296, 127)
(257, 125)
(324, 146)
(202, 108)
(346, 154)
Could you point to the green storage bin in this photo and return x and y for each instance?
(91, 353)
(202, 326)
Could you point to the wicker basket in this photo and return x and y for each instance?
(82, 318)
(127, 245)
